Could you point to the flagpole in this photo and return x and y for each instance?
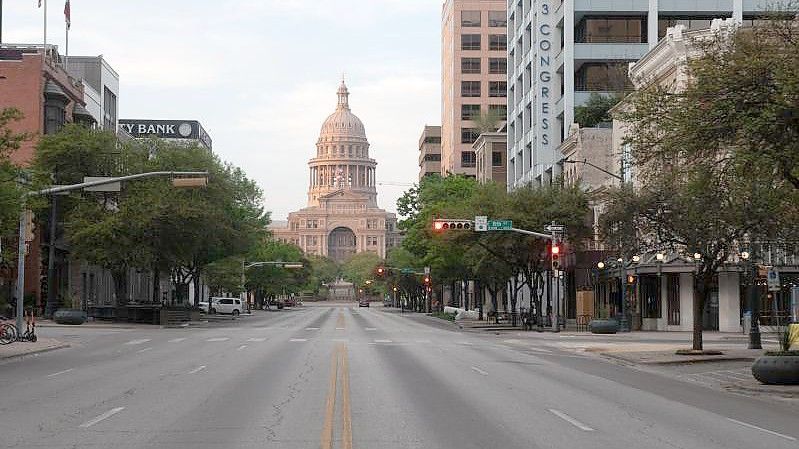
(66, 48)
(45, 30)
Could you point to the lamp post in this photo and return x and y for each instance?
(754, 303)
(624, 324)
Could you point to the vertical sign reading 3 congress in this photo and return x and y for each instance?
(544, 37)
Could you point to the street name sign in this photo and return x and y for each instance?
(480, 223)
(555, 228)
(500, 225)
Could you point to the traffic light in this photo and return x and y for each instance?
(555, 256)
(381, 271)
(446, 225)
(30, 226)
(427, 280)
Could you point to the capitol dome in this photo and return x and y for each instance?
(343, 122)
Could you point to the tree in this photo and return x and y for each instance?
(716, 156)
(360, 267)
(596, 110)
(488, 121)
(323, 271)
(10, 191)
(269, 281)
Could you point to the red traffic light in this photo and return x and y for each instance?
(461, 225)
(555, 249)
(427, 279)
(438, 225)
(380, 271)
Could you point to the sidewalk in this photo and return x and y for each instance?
(25, 348)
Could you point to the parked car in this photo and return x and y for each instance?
(232, 306)
(363, 303)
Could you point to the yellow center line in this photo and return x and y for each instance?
(346, 416)
(330, 403)
(339, 366)
(340, 322)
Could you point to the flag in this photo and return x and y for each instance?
(66, 14)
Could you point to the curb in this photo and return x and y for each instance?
(678, 362)
(34, 352)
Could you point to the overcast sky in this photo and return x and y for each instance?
(261, 75)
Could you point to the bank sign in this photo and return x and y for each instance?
(166, 129)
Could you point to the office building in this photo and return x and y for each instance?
(100, 88)
(559, 52)
(430, 151)
(473, 70)
(490, 150)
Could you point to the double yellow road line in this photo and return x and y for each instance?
(339, 372)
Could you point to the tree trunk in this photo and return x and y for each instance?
(120, 278)
(196, 282)
(513, 298)
(156, 285)
(478, 296)
(700, 295)
(493, 293)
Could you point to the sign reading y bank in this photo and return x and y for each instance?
(544, 68)
(166, 129)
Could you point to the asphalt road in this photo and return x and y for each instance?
(348, 377)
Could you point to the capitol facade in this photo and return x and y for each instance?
(342, 217)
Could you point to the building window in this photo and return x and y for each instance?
(371, 223)
(469, 111)
(432, 157)
(650, 296)
(470, 18)
(691, 23)
(497, 19)
(496, 159)
(470, 65)
(602, 77)
(54, 116)
(497, 89)
(469, 135)
(109, 109)
(673, 298)
(432, 139)
(470, 88)
(312, 224)
(497, 42)
(470, 41)
(604, 30)
(626, 163)
(371, 240)
(499, 109)
(497, 65)
(468, 159)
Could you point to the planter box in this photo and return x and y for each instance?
(604, 326)
(69, 316)
(777, 369)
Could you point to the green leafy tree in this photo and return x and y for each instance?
(269, 281)
(10, 191)
(323, 271)
(596, 110)
(361, 267)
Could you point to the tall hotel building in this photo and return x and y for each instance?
(560, 51)
(474, 76)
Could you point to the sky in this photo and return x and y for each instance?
(261, 75)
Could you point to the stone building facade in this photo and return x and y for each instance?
(342, 217)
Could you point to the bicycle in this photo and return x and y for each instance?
(9, 332)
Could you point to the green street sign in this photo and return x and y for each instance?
(500, 225)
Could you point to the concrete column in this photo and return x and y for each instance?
(652, 24)
(568, 66)
(738, 10)
(686, 301)
(729, 302)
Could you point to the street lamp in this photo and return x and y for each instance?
(754, 303)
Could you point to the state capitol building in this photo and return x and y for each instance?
(342, 217)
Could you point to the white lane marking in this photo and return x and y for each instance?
(177, 340)
(467, 343)
(241, 347)
(383, 341)
(340, 340)
(370, 329)
(312, 328)
(298, 340)
(143, 350)
(570, 420)
(218, 339)
(259, 339)
(423, 341)
(197, 370)
(547, 351)
(752, 426)
(102, 417)
(61, 372)
(339, 328)
(138, 342)
(479, 371)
